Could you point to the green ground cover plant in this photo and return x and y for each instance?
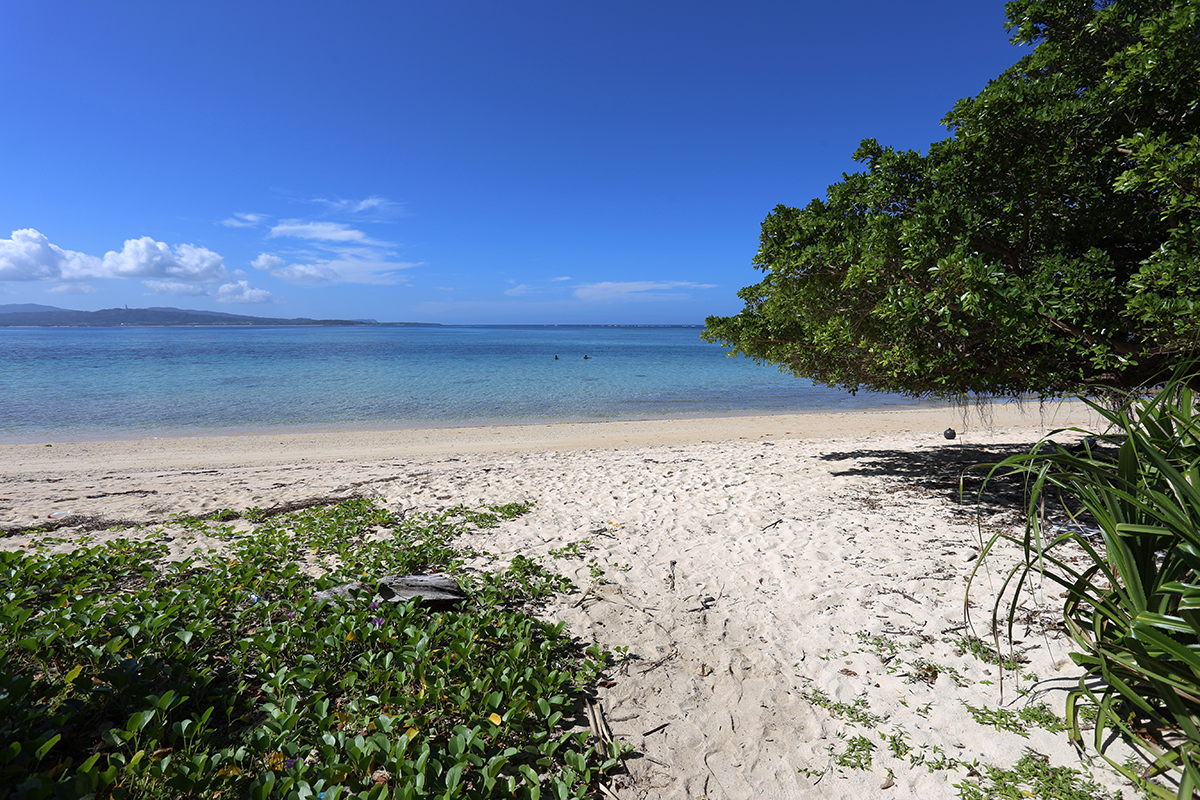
(126, 676)
(855, 712)
(1126, 552)
(980, 650)
(901, 748)
(1020, 721)
(1032, 776)
(857, 754)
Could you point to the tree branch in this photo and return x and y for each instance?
(1066, 327)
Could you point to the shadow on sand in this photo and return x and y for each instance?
(956, 472)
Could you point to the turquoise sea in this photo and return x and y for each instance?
(64, 383)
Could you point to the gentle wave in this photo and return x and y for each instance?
(123, 382)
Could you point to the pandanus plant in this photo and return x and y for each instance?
(1126, 550)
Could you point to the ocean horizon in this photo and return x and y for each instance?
(134, 382)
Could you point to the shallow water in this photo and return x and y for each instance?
(63, 382)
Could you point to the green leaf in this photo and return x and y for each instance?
(40, 753)
(138, 720)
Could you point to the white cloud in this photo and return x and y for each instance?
(242, 292)
(519, 291)
(334, 252)
(348, 269)
(609, 291)
(29, 256)
(355, 206)
(239, 220)
(72, 288)
(319, 231)
(146, 258)
(267, 261)
(175, 288)
(564, 278)
(374, 201)
(235, 292)
(304, 273)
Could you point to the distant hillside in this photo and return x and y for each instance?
(194, 311)
(30, 315)
(20, 308)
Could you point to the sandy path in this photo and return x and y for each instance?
(745, 563)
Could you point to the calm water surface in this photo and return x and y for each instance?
(120, 382)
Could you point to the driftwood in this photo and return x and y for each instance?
(435, 591)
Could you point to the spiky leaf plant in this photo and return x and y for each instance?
(1116, 523)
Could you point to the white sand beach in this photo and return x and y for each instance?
(748, 563)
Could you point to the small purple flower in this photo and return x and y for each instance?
(289, 614)
(374, 605)
(376, 621)
(291, 763)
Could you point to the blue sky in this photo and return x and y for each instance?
(454, 161)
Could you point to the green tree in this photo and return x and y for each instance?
(1048, 246)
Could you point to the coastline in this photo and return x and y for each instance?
(765, 573)
(361, 443)
(134, 384)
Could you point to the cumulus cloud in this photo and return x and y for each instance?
(609, 291)
(242, 292)
(146, 258)
(234, 292)
(239, 220)
(319, 231)
(267, 262)
(175, 288)
(30, 256)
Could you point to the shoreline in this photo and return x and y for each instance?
(260, 449)
(81, 435)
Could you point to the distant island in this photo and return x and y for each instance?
(31, 315)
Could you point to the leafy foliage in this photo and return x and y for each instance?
(857, 754)
(1133, 589)
(1020, 721)
(901, 753)
(1032, 776)
(1050, 245)
(122, 676)
(855, 712)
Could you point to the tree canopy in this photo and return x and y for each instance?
(1049, 245)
